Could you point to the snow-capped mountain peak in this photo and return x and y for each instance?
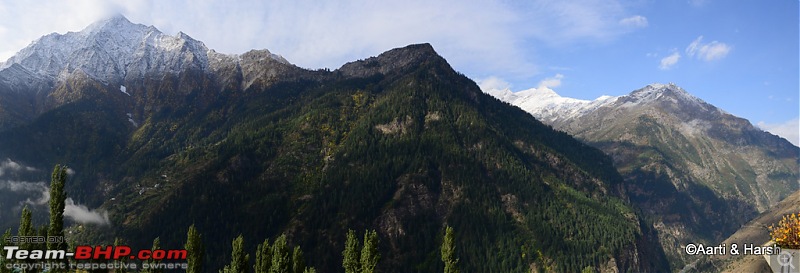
(657, 92)
(547, 105)
(112, 50)
(116, 23)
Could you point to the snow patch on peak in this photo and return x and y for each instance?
(604, 97)
(504, 94)
(660, 85)
(663, 92)
(124, 90)
(114, 23)
(114, 49)
(547, 105)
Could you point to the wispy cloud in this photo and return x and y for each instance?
(790, 130)
(551, 82)
(38, 194)
(493, 83)
(707, 51)
(11, 166)
(84, 215)
(636, 21)
(669, 61)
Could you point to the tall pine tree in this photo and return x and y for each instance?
(239, 259)
(350, 260)
(58, 197)
(195, 251)
(26, 228)
(3, 260)
(280, 256)
(123, 260)
(298, 262)
(369, 253)
(151, 261)
(263, 257)
(449, 252)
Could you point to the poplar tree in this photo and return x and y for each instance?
(119, 242)
(3, 260)
(239, 259)
(58, 197)
(280, 256)
(298, 262)
(195, 251)
(156, 245)
(369, 253)
(25, 228)
(448, 252)
(263, 257)
(350, 260)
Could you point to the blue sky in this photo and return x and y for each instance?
(740, 55)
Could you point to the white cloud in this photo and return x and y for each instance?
(707, 51)
(790, 130)
(22, 186)
(561, 22)
(39, 194)
(636, 21)
(82, 214)
(35, 193)
(549, 83)
(669, 61)
(493, 83)
(12, 166)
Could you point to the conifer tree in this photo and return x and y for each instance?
(3, 261)
(369, 253)
(239, 259)
(350, 260)
(118, 242)
(448, 252)
(58, 197)
(280, 256)
(263, 257)
(195, 251)
(298, 262)
(156, 245)
(25, 227)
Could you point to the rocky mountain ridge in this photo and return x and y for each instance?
(692, 166)
(399, 143)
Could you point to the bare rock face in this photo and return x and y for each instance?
(393, 60)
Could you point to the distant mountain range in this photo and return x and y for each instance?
(161, 133)
(696, 170)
